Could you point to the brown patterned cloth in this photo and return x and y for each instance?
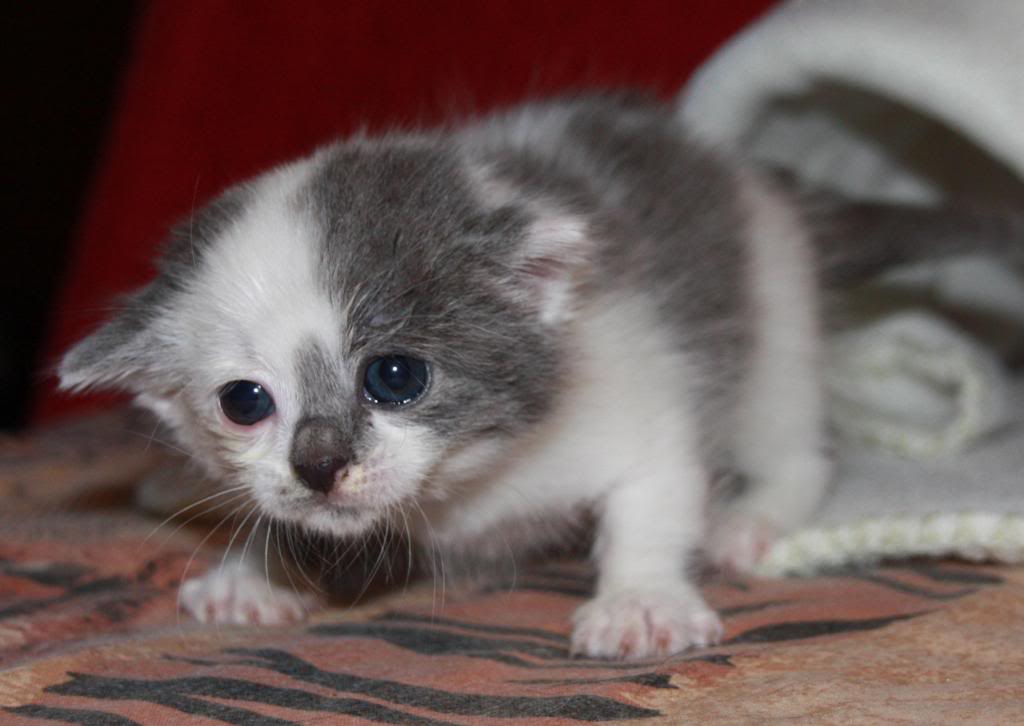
(89, 632)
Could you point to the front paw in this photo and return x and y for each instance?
(238, 595)
(640, 624)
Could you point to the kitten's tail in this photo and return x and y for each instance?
(855, 241)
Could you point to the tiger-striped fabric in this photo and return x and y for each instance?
(90, 633)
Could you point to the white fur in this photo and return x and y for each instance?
(604, 426)
(251, 305)
(259, 296)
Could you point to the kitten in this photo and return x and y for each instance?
(480, 333)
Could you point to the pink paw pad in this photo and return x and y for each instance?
(641, 625)
(740, 542)
(236, 596)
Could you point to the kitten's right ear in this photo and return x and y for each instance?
(122, 353)
(549, 264)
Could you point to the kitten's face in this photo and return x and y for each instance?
(349, 335)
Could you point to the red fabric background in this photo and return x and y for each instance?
(216, 91)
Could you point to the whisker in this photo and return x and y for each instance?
(231, 540)
(280, 557)
(152, 439)
(335, 564)
(192, 506)
(408, 547)
(512, 558)
(266, 555)
(381, 554)
(249, 539)
(233, 500)
(299, 563)
(436, 558)
(152, 436)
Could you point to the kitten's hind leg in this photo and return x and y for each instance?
(779, 444)
(781, 450)
(782, 453)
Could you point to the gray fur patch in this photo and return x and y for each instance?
(333, 419)
(322, 392)
(668, 225)
(421, 268)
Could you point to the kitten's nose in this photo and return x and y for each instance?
(319, 452)
(319, 475)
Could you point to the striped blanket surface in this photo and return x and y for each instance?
(90, 632)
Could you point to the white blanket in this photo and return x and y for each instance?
(900, 99)
(913, 384)
(904, 100)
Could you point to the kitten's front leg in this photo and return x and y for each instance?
(248, 589)
(645, 605)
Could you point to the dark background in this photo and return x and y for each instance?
(61, 62)
(126, 116)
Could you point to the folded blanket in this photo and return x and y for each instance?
(914, 384)
(968, 504)
(900, 100)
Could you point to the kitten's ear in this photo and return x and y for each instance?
(551, 264)
(121, 353)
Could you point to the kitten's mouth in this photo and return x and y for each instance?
(302, 507)
(340, 503)
(337, 507)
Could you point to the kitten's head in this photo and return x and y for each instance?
(349, 333)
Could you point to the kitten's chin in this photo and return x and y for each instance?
(333, 520)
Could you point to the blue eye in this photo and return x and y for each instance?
(245, 402)
(395, 379)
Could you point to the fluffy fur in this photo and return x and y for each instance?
(610, 313)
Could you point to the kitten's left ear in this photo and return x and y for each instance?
(552, 263)
(126, 353)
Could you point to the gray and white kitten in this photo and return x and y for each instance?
(483, 333)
